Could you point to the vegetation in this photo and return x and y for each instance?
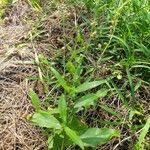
(96, 82)
(106, 57)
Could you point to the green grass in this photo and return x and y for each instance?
(98, 78)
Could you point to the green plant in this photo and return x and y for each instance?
(36, 4)
(104, 53)
(141, 139)
(61, 120)
(3, 4)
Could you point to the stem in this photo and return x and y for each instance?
(62, 144)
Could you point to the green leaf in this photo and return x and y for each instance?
(74, 137)
(77, 125)
(131, 85)
(61, 142)
(50, 142)
(101, 93)
(57, 142)
(60, 79)
(34, 99)
(62, 107)
(133, 113)
(85, 101)
(110, 110)
(35, 4)
(144, 132)
(89, 85)
(90, 99)
(96, 136)
(70, 67)
(45, 120)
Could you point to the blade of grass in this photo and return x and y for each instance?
(60, 79)
(143, 133)
(131, 85)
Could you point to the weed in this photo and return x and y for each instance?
(104, 60)
(60, 119)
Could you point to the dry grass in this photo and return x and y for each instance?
(15, 132)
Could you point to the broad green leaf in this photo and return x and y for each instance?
(89, 85)
(45, 120)
(60, 79)
(144, 132)
(101, 93)
(98, 136)
(77, 125)
(62, 107)
(85, 101)
(34, 99)
(90, 99)
(74, 137)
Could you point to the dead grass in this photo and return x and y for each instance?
(16, 133)
(15, 65)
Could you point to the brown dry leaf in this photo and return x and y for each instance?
(39, 88)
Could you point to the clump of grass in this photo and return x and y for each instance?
(3, 4)
(104, 60)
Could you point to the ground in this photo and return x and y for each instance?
(15, 66)
(25, 33)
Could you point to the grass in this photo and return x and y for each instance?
(95, 77)
(102, 52)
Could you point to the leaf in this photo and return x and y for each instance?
(85, 101)
(61, 142)
(144, 132)
(133, 113)
(50, 142)
(131, 85)
(110, 110)
(122, 98)
(39, 88)
(101, 93)
(60, 79)
(45, 120)
(34, 99)
(62, 107)
(70, 67)
(74, 137)
(35, 4)
(57, 142)
(88, 100)
(89, 85)
(96, 136)
(77, 125)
